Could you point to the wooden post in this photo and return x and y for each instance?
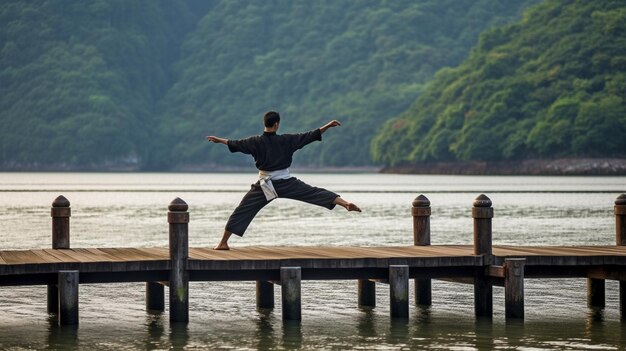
(68, 297)
(399, 291)
(620, 238)
(595, 292)
(367, 293)
(620, 220)
(622, 300)
(290, 278)
(155, 296)
(178, 219)
(421, 237)
(60, 213)
(264, 294)
(514, 288)
(482, 212)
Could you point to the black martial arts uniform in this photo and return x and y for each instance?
(274, 152)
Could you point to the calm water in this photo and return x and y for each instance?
(116, 210)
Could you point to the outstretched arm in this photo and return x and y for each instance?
(217, 140)
(331, 124)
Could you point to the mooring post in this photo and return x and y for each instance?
(60, 213)
(421, 237)
(290, 278)
(514, 288)
(155, 296)
(399, 291)
(367, 293)
(620, 236)
(482, 212)
(264, 294)
(68, 297)
(178, 219)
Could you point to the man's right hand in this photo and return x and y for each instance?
(333, 123)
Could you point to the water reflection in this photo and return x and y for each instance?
(423, 314)
(484, 338)
(265, 329)
(179, 335)
(398, 332)
(63, 337)
(594, 325)
(514, 333)
(155, 330)
(292, 334)
(365, 323)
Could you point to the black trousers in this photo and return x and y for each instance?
(291, 188)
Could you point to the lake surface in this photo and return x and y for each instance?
(130, 209)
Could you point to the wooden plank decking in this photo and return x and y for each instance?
(39, 261)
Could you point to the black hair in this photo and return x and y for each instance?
(271, 118)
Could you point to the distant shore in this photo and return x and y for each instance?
(565, 166)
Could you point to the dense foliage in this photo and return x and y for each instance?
(79, 80)
(101, 83)
(361, 62)
(552, 85)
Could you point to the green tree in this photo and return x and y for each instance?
(551, 85)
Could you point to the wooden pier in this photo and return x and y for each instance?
(63, 269)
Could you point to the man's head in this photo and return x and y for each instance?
(271, 118)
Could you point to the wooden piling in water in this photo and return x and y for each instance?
(620, 238)
(290, 278)
(399, 291)
(264, 294)
(155, 296)
(367, 293)
(68, 297)
(60, 213)
(482, 213)
(421, 237)
(596, 288)
(178, 219)
(514, 288)
(596, 294)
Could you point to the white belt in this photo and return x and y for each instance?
(265, 180)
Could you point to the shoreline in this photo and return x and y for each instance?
(535, 167)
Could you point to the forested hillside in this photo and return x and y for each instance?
(79, 79)
(552, 85)
(109, 84)
(361, 62)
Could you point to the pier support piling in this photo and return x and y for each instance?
(482, 213)
(596, 295)
(399, 291)
(620, 238)
(60, 213)
(264, 294)
(514, 288)
(178, 219)
(367, 293)
(155, 296)
(68, 297)
(290, 278)
(421, 237)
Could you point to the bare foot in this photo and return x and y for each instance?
(221, 246)
(352, 207)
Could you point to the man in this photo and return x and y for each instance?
(273, 155)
